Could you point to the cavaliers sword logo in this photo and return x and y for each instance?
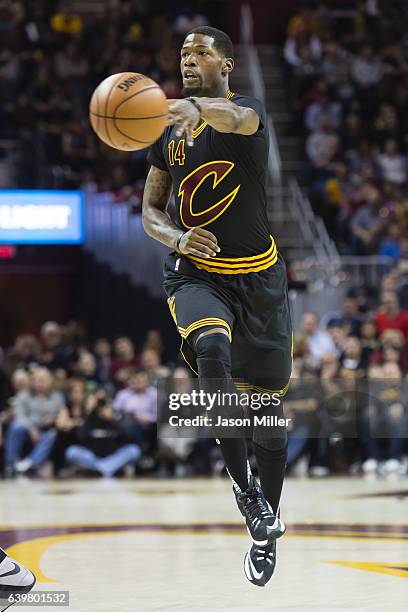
(192, 182)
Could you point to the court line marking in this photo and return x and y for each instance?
(30, 552)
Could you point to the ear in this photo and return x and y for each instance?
(228, 66)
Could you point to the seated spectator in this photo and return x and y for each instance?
(349, 318)
(386, 125)
(351, 360)
(151, 362)
(69, 419)
(390, 245)
(322, 144)
(369, 342)
(329, 367)
(139, 402)
(25, 352)
(384, 423)
(124, 360)
(36, 411)
(366, 223)
(293, 48)
(301, 406)
(324, 111)
(20, 381)
(392, 164)
(319, 341)
(366, 68)
(338, 334)
(86, 370)
(392, 347)
(154, 341)
(55, 354)
(389, 316)
(344, 89)
(102, 443)
(103, 353)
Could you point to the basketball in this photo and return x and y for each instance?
(128, 111)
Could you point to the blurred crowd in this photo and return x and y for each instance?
(349, 90)
(70, 407)
(50, 63)
(349, 391)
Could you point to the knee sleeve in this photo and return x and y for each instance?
(277, 444)
(213, 356)
(273, 438)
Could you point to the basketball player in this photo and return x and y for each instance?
(14, 579)
(225, 280)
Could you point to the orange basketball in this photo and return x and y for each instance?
(128, 111)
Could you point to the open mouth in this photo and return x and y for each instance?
(190, 76)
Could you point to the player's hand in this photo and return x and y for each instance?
(199, 242)
(184, 114)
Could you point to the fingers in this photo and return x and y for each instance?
(187, 127)
(198, 253)
(207, 245)
(199, 231)
(201, 243)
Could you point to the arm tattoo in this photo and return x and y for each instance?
(156, 220)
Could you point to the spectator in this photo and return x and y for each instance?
(384, 422)
(351, 360)
(25, 352)
(154, 341)
(69, 420)
(389, 316)
(390, 245)
(55, 354)
(139, 402)
(392, 164)
(86, 369)
(102, 444)
(103, 353)
(124, 360)
(322, 144)
(349, 318)
(367, 69)
(319, 341)
(151, 362)
(369, 342)
(366, 223)
(323, 111)
(20, 381)
(36, 411)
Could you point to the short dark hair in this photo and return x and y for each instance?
(221, 40)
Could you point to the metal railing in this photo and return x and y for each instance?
(313, 229)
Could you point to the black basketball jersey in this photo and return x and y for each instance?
(220, 184)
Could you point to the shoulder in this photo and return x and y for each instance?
(57, 397)
(22, 396)
(247, 101)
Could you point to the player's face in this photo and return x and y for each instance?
(201, 66)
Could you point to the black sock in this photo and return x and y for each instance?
(271, 468)
(234, 451)
(2, 555)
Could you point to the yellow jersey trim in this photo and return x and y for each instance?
(237, 265)
(243, 386)
(185, 332)
(204, 124)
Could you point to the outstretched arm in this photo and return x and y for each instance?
(221, 114)
(157, 222)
